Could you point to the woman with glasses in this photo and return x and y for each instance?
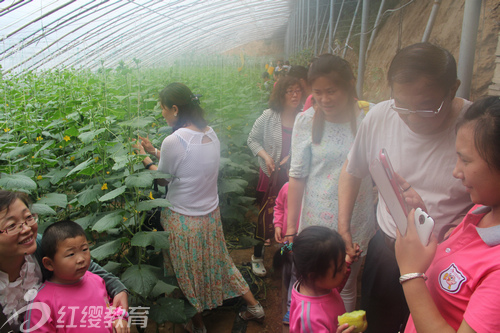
(21, 268)
(270, 140)
(416, 126)
(322, 137)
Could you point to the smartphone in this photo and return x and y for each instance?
(424, 225)
(386, 162)
(383, 176)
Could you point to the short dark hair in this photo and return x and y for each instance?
(58, 232)
(314, 249)
(278, 95)
(484, 116)
(8, 197)
(423, 59)
(264, 75)
(299, 72)
(190, 111)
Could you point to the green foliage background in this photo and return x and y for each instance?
(65, 138)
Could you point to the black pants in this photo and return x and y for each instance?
(382, 296)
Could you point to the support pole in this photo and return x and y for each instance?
(316, 30)
(430, 22)
(330, 26)
(362, 49)
(307, 25)
(350, 29)
(470, 24)
(337, 23)
(375, 27)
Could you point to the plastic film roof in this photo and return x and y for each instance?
(55, 33)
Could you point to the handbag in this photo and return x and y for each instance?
(265, 227)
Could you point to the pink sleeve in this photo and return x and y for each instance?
(347, 274)
(308, 103)
(280, 208)
(482, 311)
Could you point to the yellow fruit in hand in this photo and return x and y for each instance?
(355, 318)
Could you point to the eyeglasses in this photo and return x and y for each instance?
(15, 228)
(421, 113)
(294, 92)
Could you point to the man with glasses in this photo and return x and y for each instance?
(417, 128)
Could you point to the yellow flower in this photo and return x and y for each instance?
(154, 230)
(32, 156)
(96, 159)
(39, 177)
(60, 146)
(151, 195)
(66, 138)
(25, 141)
(107, 172)
(6, 130)
(72, 158)
(104, 186)
(229, 153)
(229, 128)
(125, 219)
(39, 138)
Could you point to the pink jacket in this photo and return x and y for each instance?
(281, 210)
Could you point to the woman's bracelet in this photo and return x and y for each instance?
(291, 235)
(149, 165)
(411, 276)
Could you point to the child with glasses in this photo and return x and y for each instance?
(72, 299)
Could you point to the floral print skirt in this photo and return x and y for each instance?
(199, 259)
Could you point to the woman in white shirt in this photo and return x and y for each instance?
(197, 255)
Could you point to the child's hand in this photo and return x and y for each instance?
(121, 326)
(357, 254)
(345, 328)
(277, 234)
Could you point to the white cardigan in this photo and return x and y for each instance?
(266, 134)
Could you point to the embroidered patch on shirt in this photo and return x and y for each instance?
(451, 279)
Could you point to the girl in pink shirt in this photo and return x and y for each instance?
(322, 268)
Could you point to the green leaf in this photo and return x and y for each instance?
(80, 166)
(141, 279)
(234, 185)
(73, 131)
(108, 221)
(87, 137)
(42, 209)
(16, 181)
(162, 288)
(138, 122)
(45, 146)
(87, 221)
(158, 239)
(143, 179)
(113, 194)
(54, 199)
(57, 175)
(108, 249)
(89, 195)
(112, 267)
(150, 204)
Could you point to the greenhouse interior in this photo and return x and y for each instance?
(95, 92)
